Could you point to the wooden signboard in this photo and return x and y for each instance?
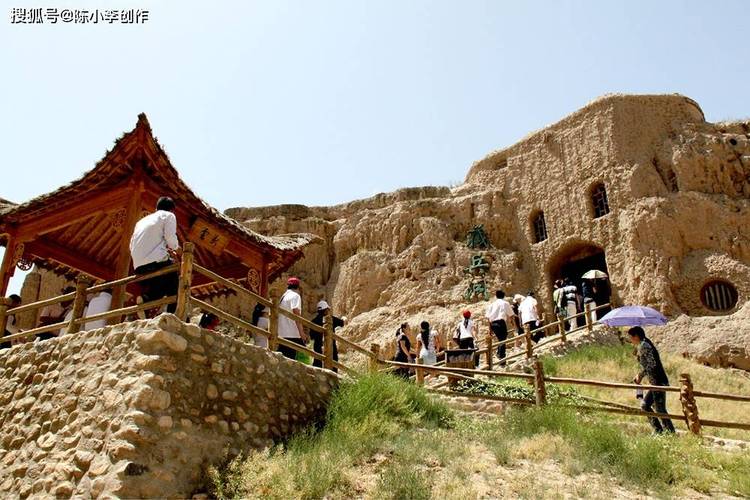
(207, 236)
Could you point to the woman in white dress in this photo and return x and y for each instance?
(428, 344)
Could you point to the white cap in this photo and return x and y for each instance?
(323, 305)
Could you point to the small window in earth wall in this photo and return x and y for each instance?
(719, 295)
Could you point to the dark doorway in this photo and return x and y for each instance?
(575, 260)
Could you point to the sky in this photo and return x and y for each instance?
(323, 102)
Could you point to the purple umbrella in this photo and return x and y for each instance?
(633, 316)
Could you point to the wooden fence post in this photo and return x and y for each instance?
(420, 372)
(587, 315)
(375, 357)
(273, 324)
(79, 303)
(4, 305)
(689, 406)
(328, 341)
(529, 345)
(186, 281)
(561, 330)
(539, 390)
(489, 349)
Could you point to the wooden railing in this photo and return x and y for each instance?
(77, 320)
(537, 378)
(491, 344)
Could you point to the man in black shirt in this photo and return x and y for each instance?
(317, 337)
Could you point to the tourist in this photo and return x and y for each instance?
(318, 338)
(11, 323)
(209, 321)
(261, 320)
(289, 329)
(403, 350)
(54, 313)
(500, 315)
(100, 303)
(570, 293)
(465, 331)
(529, 312)
(588, 290)
(517, 299)
(428, 344)
(153, 246)
(558, 297)
(651, 368)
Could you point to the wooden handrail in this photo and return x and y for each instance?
(353, 345)
(230, 284)
(728, 425)
(230, 317)
(614, 385)
(34, 331)
(94, 289)
(239, 288)
(468, 371)
(252, 328)
(300, 348)
(42, 303)
(305, 322)
(719, 395)
(127, 310)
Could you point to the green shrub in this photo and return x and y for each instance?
(387, 398)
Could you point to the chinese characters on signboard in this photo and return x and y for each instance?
(39, 15)
(207, 236)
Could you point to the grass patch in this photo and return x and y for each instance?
(386, 438)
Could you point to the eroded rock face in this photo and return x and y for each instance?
(137, 410)
(722, 342)
(679, 217)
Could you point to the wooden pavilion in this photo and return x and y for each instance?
(85, 226)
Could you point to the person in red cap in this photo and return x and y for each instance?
(465, 332)
(289, 329)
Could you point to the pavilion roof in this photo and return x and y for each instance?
(140, 149)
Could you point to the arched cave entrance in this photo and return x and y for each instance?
(575, 259)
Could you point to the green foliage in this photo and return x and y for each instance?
(388, 399)
(517, 389)
(592, 355)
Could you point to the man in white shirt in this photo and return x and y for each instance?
(153, 246)
(289, 329)
(528, 311)
(100, 303)
(500, 315)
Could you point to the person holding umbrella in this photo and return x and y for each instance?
(648, 357)
(651, 367)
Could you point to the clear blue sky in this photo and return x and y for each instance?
(320, 102)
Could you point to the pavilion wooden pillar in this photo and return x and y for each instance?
(8, 266)
(122, 267)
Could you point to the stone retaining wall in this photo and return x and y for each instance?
(140, 409)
